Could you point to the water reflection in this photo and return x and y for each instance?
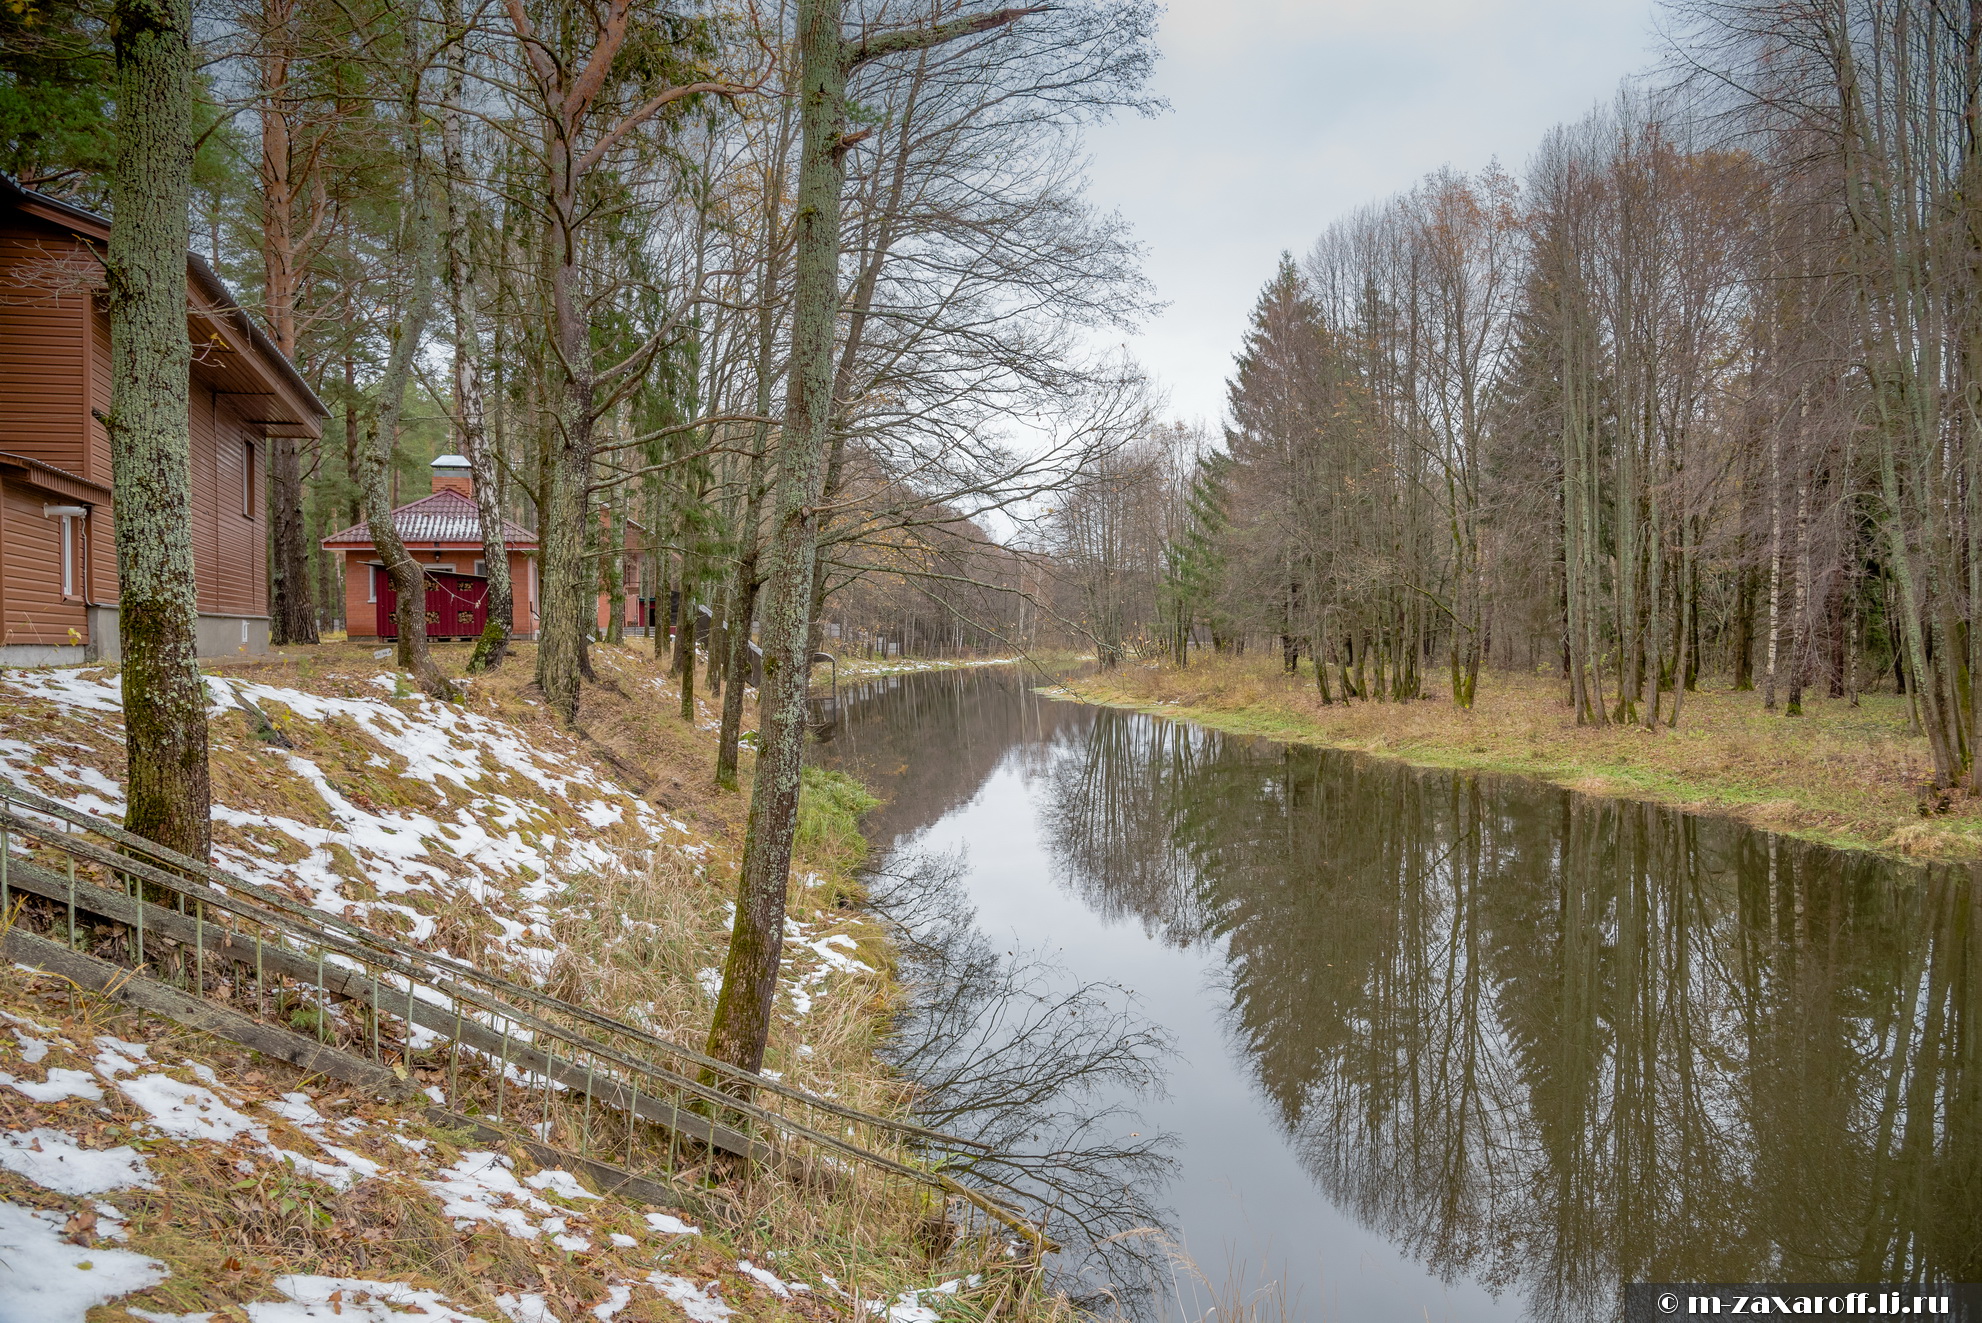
(1542, 1041)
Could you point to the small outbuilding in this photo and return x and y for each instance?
(444, 533)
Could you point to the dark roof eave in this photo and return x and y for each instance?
(97, 227)
(61, 482)
(216, 289)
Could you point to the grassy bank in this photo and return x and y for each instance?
(1848, 776)
(853, 667)
(603, 870)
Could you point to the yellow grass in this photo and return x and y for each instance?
(635, 942)
(1843, 775)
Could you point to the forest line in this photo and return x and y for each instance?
(741, 305)
(1696, 394)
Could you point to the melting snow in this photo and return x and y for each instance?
(770, 1281)
(616, 1299)
(669, 1225)
(527, 1308)
(54, 1161)
(482, 1187)
(354, 1300)
(32, 1049)
(560, 1183)
(490, 848)
(188, 1111)
(908, 1306)
(45, 1279)
(60, 1084)
(115, 1056)
(700, 1306)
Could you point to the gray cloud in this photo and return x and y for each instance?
(1285, 115)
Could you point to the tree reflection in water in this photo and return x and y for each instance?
(1551, 1041)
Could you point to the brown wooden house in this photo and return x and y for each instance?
(58, 558)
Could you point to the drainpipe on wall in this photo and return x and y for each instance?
(76, 567)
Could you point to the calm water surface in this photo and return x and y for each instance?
(1458, 1047)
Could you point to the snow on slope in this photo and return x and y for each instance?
(393, 810)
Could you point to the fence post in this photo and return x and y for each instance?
(454, 1061)
(502, 1065)
(72, 893)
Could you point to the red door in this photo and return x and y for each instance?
(457, 605)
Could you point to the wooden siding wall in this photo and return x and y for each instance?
(42, 345)
(54, 372)
(230, 551)
(360, 620)
(31, 572)
(103, 531)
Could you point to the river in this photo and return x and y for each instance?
(1464, 1047)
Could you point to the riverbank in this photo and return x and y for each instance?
(595, 864)
(1845, 776)
(858, 668)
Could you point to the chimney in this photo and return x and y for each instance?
(453, 474)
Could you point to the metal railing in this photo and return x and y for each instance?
(488, 1046)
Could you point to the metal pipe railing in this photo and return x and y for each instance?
(606, 1061)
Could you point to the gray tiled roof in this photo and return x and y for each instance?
(446, 516)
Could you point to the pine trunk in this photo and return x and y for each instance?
(165, 734)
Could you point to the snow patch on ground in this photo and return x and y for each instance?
(53, 1160)
(700, 1305)
(670, 1225)
(770, 1281)
(45, 1279)
(908, 1306)
(354, 1300)
(527, 1308)
(509, 815)
(188, 1111)
(482, 1187)
(61, 1083)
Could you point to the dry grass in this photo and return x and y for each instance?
(637, 941)
(227, 1220)
(1843, 775)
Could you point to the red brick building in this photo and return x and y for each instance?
(444, 533)
(58, 556)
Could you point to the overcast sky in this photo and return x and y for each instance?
(1285, 114)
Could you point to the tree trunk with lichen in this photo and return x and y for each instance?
(165, 735)
(566, 578)
(742, 1024)
(285, 184)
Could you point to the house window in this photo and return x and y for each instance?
(68, 541)
(482, 567)
(248, 479)
(371, 583)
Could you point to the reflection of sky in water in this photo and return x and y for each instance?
(1244, 1205)
(1246, 1211)
(1471, 1023)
